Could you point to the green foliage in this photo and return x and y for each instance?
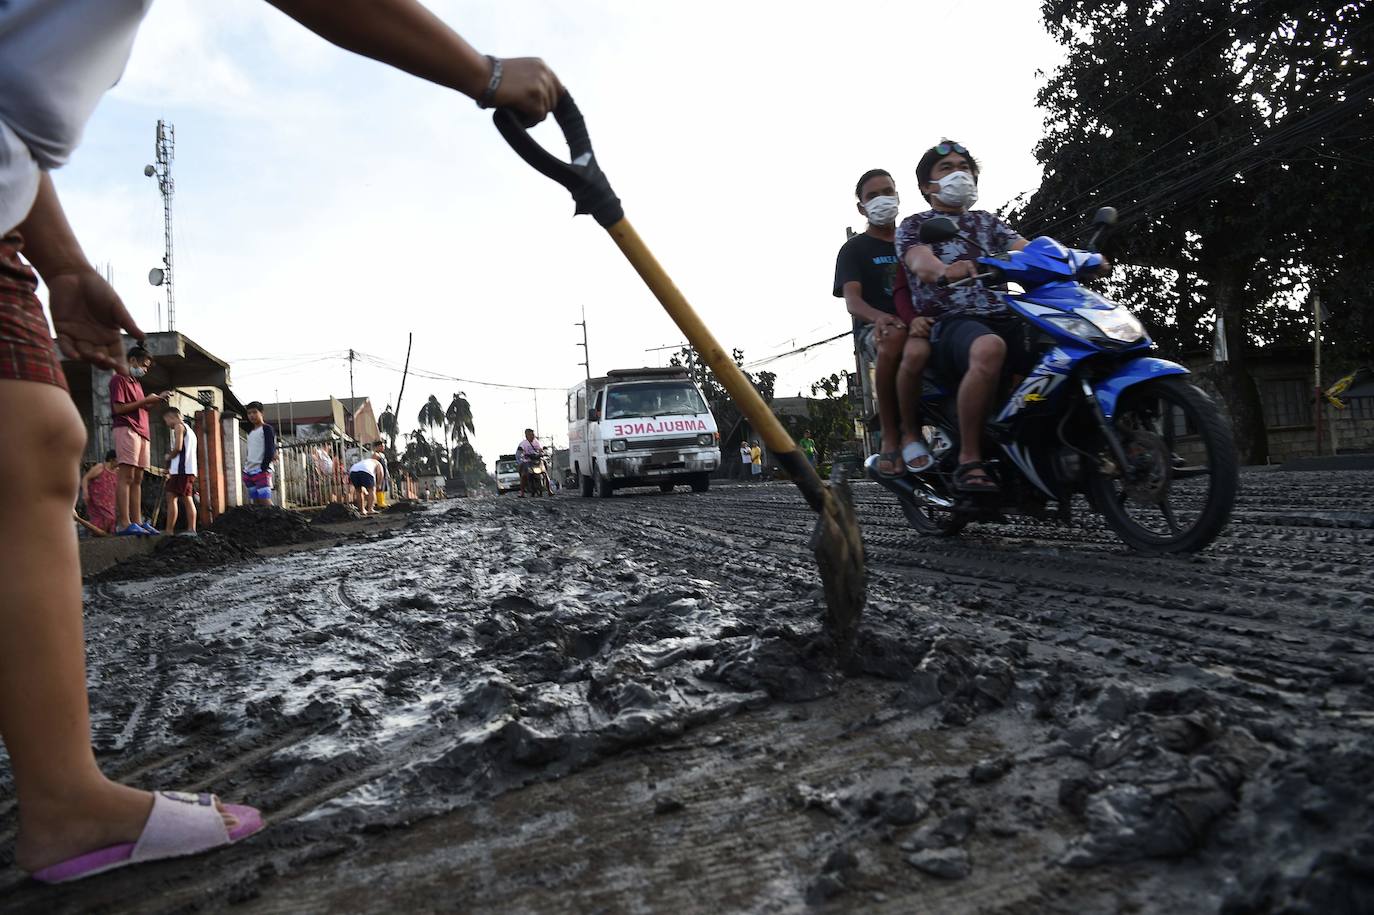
(729, 419)
(1231, 135)
(832, 415)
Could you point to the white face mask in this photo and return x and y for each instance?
(882, 211)
(957, 189)
(137, 371)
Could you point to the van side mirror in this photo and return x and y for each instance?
(939, 229)
(593, 415)
(1106, 216)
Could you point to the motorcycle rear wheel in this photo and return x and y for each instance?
(1154, 420)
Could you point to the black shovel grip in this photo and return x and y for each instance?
(582, 176)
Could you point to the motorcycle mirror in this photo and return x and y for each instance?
(1106, 216)
(939, 229)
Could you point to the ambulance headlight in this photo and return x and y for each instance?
(706, 439)
(617, 444)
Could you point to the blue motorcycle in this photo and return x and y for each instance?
(1096, 415)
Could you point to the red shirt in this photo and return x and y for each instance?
(126, 390)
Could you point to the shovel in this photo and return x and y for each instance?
(836, 540)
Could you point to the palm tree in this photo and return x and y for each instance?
(432, 415)
(459, 417)
(387, 424)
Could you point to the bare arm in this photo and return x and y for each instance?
(86, 313)
(923, 263)
(854, 302)
(95, 471)
(133, 406)
(406, 35)
(178, 437)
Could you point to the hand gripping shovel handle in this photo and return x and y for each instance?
(591, 191)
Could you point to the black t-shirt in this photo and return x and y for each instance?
(872, 263)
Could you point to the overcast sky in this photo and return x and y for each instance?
(324, 201)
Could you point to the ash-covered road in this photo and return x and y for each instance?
(580, 705)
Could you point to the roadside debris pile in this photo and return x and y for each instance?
(257, 526)
(175, 555)
(405, 507)
(337, 513)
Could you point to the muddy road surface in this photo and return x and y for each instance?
(625, 705)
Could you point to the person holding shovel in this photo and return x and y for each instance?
(98, 492)
(57, 57)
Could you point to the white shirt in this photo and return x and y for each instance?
(188, 448)
(368, 465)
(745, 455)
(57, 58)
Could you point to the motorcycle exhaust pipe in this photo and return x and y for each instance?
(909, 486)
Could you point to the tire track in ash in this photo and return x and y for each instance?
(1271, 611)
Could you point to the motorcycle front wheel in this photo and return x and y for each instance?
(1177, 492)
(930, 522)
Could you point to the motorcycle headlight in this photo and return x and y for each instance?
(617, 444)
(1116, 324)
(1076, 326)
(706, 438)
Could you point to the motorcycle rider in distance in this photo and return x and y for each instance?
(526, 452)
(974, 330)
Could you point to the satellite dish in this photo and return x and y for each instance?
(155, 276)
(149, 171)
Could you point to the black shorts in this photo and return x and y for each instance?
(954, 336)
(362, 479)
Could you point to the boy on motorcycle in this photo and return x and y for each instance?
(975, 334)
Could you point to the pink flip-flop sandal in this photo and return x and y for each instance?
(180, 824)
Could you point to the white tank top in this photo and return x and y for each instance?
(185, 460)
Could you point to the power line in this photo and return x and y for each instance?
(378, 362)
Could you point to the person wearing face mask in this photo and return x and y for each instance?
(133, 450)
(975, 335)
(865, 271)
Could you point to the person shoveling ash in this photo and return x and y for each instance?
(59, 58)
(367, 476)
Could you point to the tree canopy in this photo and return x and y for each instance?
(1232, 136)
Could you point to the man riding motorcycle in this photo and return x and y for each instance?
(526, 453)
(975, 336)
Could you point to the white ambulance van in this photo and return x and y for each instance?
(507, 474)
(641, 427)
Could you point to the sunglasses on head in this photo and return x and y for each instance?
(946, 148)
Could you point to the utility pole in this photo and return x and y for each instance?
(870, 402)
(352, 428)
(586, 353)
(1318, 407)
(410, 338)
(165, 151)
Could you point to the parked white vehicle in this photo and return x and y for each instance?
(641, 427)
(507, 474)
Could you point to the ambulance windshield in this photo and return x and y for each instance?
(653, 398)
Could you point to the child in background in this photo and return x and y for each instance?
(181, 471)
(98, 492)
(262, 451)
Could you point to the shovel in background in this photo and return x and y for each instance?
(836, 540)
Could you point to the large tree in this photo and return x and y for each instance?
(1230, 135)
(459, 417)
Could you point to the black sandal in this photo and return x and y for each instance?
(894, 461)
(963, 483)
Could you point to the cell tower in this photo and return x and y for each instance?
(165, 150)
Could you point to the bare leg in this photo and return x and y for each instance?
(914, 359)
(371, 500)
(889, 360)
(124, 476)
(136, 495)
(975, 394)
(171, 516)
(359, 495)
(190, 503)
(66, 806)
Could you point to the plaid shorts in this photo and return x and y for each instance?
(27, 351)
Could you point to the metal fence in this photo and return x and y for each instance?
(314, 473)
